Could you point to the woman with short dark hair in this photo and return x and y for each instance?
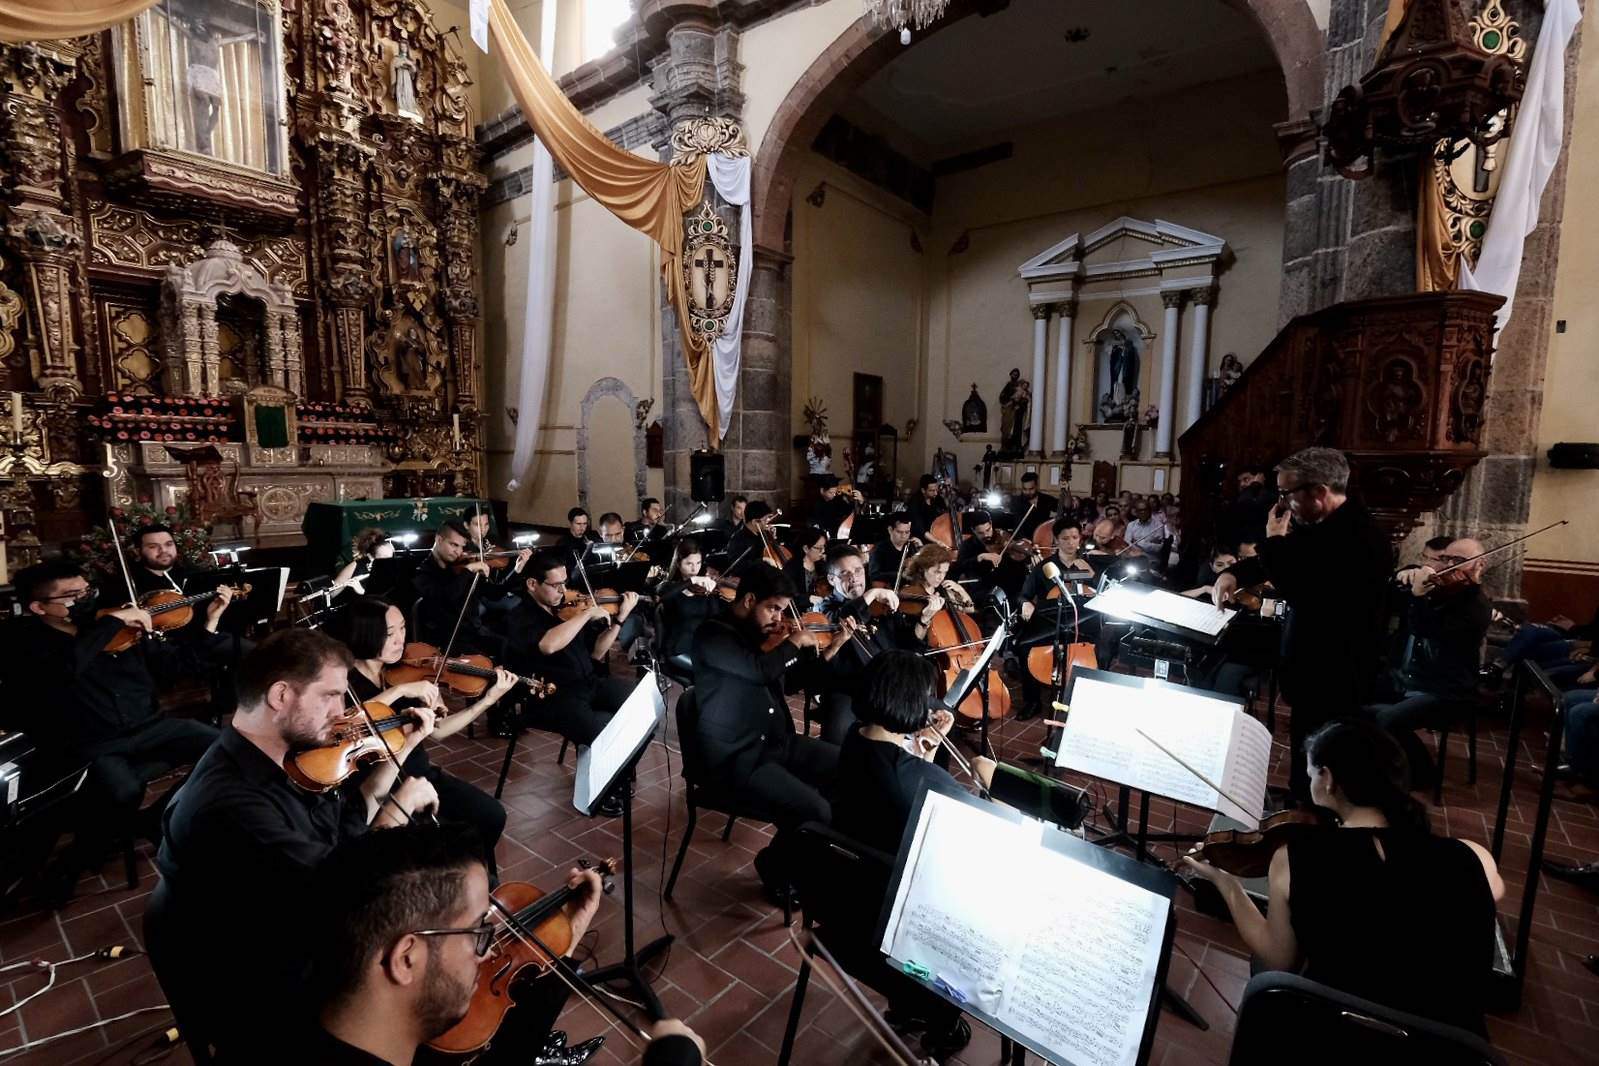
(1378, 907)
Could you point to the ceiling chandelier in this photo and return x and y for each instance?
(906, 15)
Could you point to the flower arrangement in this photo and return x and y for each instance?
(1151, 417)
(96, 550)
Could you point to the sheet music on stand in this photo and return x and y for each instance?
(1208, 731)
(1070, 966)
(619, 743)
(1191, 618)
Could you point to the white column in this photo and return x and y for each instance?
(1066, 312)
(1035, 434)
(1171, 327)
(1198, 357)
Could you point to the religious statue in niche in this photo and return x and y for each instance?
(1015, 410)
(407, 257)
(1232, 368)
(974, 413)
(204, 74)
(1465, 409)
(945, 466)
(1395, 400)
(404, 70)
(1119, 359)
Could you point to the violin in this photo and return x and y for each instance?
(526, 914)
(495, 560)
(1248, 853)
(168, 609)
(578, 602)
(810, 622)
(358, 739)
(726, 588)
(465, 675)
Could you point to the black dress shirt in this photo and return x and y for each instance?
(893, 630)
(571, 667)
(830, 514)
(876, 787)
(682, 614)
(744, 550)
(442, 590)
(923, 512)
(239, 849)
(742, 711)
(74, 695)
(1447, 627)
(1043, 509)
(325, 1049)
(883, 564)
(674, 1049)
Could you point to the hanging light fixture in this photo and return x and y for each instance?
(906, 15)
(1431, 81)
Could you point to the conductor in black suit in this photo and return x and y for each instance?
(745, 733)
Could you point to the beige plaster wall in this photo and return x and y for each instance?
(1568, 558)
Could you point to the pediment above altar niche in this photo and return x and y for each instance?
(1125, 248)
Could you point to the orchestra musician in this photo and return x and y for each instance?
(884, 563)
(1035, 598)
(976, 557)
(746, 734)
(1043, 507)
(156, 568)
(477, 528)
(443, 582)
(242, 841)
(1438, 677)
(807, 565)
(82, 704)
(849, 602)
(733, 521)
(366, 548)
(374, 633)
(930, 568)
(926, 505)
(882, 767)
(397, 947)
(649, 526)
(1378, 907)
(1331, 562)
(569, 652)
(1067, 556)
(747, 546)
(834, 507)
(686, 599)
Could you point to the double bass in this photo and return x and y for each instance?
(946, 528)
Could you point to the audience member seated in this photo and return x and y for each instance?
(83, 704)
(1378, 907)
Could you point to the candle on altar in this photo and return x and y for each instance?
(16, 416)
(455, 421)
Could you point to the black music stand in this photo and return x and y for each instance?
(976, 675)
(607, 767)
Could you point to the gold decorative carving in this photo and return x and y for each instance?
(703, 136)
(128, 237)
(130, 344)
(10, 319)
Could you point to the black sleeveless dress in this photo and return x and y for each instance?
(1412, 928)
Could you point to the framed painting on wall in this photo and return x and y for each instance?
(868, 408)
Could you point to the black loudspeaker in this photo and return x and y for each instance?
(1569, 456)
(707, 473)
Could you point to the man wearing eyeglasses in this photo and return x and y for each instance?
(1331, 562)
(1447, 619)
(400, 946)
(82, 704)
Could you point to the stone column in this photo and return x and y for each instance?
(210, 351)
(1198, 357)
(1066, 312)
(1035, 433)
(757, 440)
(1171, 327)
(274, 351)
(293, 360)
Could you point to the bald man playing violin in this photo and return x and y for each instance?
(1448, 617)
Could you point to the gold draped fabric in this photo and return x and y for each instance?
(1437, 262)
(1390, 23)
(54, 20)
(651, 197)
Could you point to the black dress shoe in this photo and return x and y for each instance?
(940, 1046)
(576, 1055)
(1584, 874)
(1592, 962)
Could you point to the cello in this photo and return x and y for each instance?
(946, 528)
(955, 636)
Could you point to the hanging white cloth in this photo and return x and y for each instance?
(731, 176)
(538, 316)
(1534, 150)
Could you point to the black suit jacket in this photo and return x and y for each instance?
(739, 688)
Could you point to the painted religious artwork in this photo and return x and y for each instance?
(407, 257)
(1015, 414)
(217, 70)
(1118, 360)
(974, 413)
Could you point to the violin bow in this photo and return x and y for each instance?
(1495, 551)
(1223, 793)
(833, 975)
(1019, 524)
(109, 473)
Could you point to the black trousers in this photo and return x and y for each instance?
(119, 769)
(462, 803)
(792, 779)
(579, 714)
(1314, 699)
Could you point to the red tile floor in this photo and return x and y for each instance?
(731, 971)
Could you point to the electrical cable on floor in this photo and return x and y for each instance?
(168, 1040)
(42, 1041)
(108, 954)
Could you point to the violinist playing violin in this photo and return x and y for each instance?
(884, 764)
(746, 735)
(979, 560)
(1042, 507)
(687, 598)
(1447, 618)
(1331, 562)
(444, 580)
(849, 605)
(82, 704)
(748, 545)
(241, 841)
(926, 505)
(651, 525)
(834, 506)
(807, 566)
(374, 632)
(1380, 907)
(477, 528)
(398, 949)
(888, 555)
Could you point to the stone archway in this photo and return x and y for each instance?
(609, 387)
(862, 50)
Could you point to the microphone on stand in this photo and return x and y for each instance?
(1052, 572)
